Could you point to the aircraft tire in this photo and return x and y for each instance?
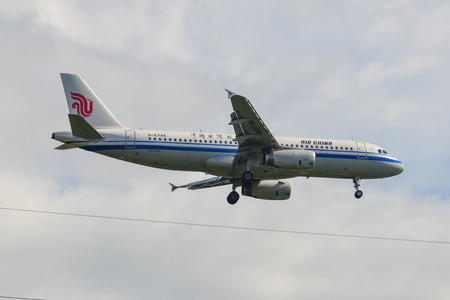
(233, 197)
(358, 194)
(247, 177)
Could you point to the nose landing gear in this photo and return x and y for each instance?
(356, 185)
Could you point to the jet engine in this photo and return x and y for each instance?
(291, 159)
(268, 189)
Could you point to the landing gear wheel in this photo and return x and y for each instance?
(356, 185)
(247, 177)
(233, 197)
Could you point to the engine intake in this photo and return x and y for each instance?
(268, 189)
(291, 159)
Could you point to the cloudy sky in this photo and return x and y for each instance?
(376, 71)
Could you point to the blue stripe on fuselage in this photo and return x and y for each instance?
(164, 146)
(352, 155)
(231, 149)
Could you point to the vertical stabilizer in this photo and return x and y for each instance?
(82, 101)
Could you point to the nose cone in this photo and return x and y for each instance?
(395, 167)
(398, 168)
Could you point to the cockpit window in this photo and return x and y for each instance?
(381, 151)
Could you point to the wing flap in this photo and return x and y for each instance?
(238, 121)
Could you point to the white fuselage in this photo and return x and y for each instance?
(214, 153)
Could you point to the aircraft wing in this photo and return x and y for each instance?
(207, 183)
(252, 134)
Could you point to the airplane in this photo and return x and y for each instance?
(252, 158)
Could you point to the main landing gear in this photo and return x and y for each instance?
(358, 193)
(246, 178)
(233, 197)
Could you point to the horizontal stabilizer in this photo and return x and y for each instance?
(207, 183)
(65, 147)
(174, 187)
(81, 128)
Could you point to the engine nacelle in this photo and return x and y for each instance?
(291, 159)
(219, 163)
(268, 189)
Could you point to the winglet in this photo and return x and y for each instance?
(230, 93)
(174, 187)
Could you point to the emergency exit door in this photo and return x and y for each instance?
(130, 139)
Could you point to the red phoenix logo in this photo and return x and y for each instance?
(83, 105)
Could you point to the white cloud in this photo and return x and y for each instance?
(151, 31)
(372, 71)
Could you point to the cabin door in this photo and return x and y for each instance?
(361, 150)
